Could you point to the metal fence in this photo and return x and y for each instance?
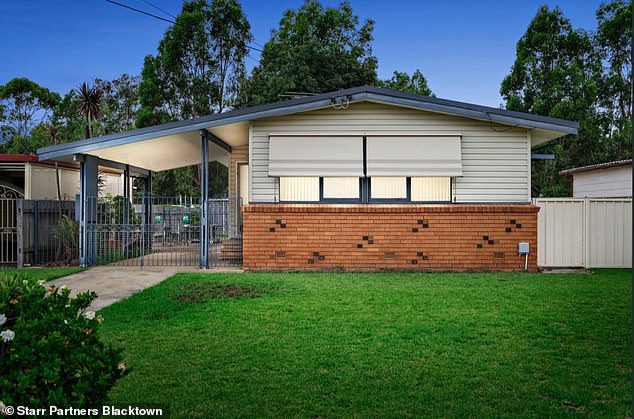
(147, 231)
(38, 232)
(590, 232)
(159, 231)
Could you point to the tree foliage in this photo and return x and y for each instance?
(199, 63)
(197, 71)
(25, 103)
(315, 49)
(69, 121)
(574, 74)
(614, 47)
(416, 84)
(120, 103)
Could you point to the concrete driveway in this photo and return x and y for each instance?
(117, 283)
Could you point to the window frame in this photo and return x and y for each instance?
(451, 180)
(340, 200)
(407, 199)
(365, 196)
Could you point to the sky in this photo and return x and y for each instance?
(464, 48)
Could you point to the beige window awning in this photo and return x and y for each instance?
(428, 155)
(296, 155)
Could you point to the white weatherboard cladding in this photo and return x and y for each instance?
(413, 156)
(495, 158)
(315, 156)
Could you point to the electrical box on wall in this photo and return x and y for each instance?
(523, 248)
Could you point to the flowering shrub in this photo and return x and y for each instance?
(49, 351)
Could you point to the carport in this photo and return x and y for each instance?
(143, 153)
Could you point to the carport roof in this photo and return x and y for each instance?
(176, 144)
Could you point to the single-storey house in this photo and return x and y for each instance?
(25, 176)
(358, 179)
(605, 180)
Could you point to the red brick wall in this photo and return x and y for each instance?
(376, 237)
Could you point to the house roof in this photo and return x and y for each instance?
(17, 158)
(599, 166)
(232, 127)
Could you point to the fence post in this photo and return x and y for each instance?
(36, 232)
(20, 232)
(586, 233)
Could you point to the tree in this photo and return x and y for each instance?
(198, 65)
(38, 137)
(68, 119)
(416, 84)
(120, 103)
(196, 72)
(89, 104)
(230, 33)
(554, 75)
(614, 45)
(25, 103)
(314, 50)
(577, 75)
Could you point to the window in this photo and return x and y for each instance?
(431, 189)
(405, 167)
(392, 187)
(382, 189)
(299, 189)
(340, 188)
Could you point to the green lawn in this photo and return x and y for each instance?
(45, 274)
(378, 345)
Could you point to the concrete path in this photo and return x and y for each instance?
(115, 283)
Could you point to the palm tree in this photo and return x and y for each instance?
(89, 105)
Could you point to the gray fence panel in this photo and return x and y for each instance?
(46, 232)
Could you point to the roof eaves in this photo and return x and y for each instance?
(478, 112)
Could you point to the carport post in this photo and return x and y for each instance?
(88, 208)
(147, 214)
(126, 209)
(204, 198)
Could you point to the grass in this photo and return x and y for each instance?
(45, 274)
(378, 345)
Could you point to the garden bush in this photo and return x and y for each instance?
(50, 353)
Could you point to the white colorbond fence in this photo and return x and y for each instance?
(589, 233)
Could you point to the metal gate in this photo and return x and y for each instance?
(159, 231)
(8, 224)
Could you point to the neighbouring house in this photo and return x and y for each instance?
(25, 176)
(605, 180)
(358, 179)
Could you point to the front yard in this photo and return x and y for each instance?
(378, 345)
